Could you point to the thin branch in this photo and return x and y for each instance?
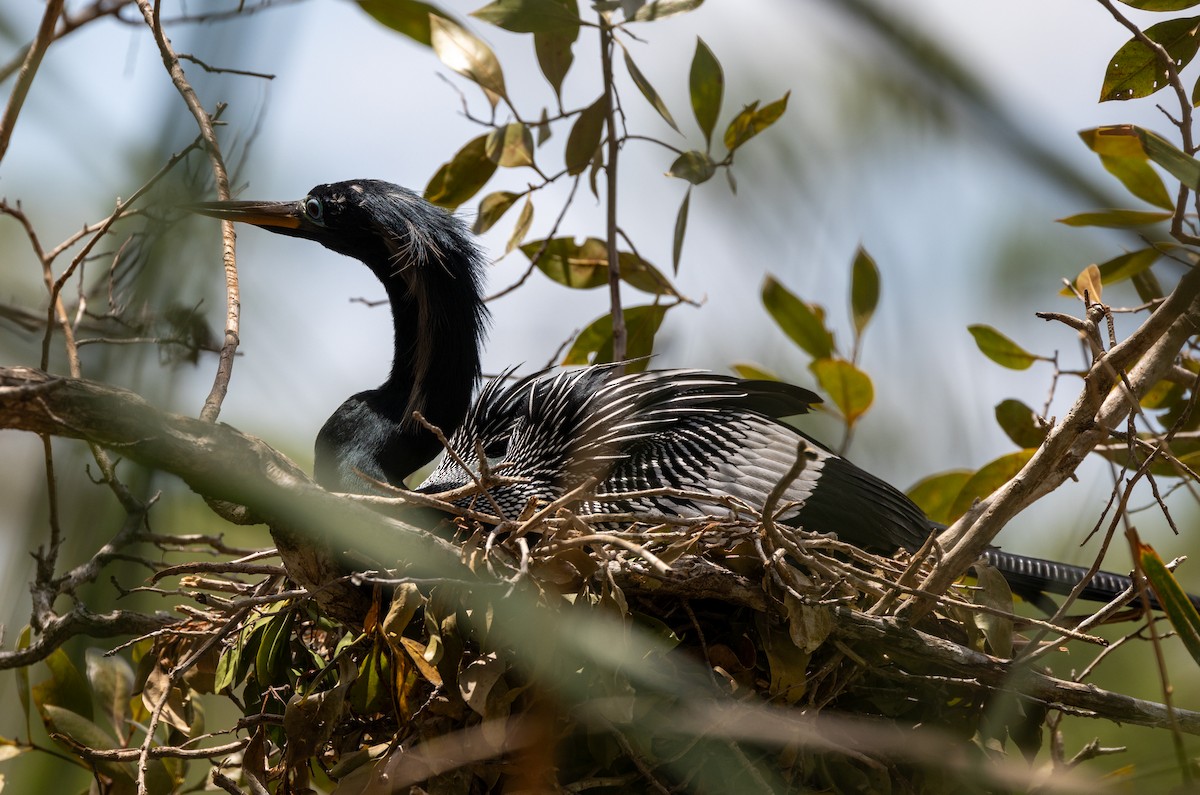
(610, 173)
(212, 404)
(33, 59)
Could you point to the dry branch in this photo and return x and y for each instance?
(1148, 354)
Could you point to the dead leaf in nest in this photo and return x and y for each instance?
(416, 651)
(678, 549)
(477, 680)
(175, 710)
(788, 664)
(557, 571)
(808, 625)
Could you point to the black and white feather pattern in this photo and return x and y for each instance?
(686, 430)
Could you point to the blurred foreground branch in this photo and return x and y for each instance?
(225, 465)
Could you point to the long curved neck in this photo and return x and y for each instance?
(438, 317)
(435, 366)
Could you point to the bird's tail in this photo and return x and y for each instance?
(1033, 578)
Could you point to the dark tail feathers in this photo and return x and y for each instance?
(1033, 578)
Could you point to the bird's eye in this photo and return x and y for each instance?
(313, 208)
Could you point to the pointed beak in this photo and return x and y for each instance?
(276, 216)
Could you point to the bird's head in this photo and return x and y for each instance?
(388, 227)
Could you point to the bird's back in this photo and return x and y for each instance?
(680, 433)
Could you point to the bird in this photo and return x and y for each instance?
(682, 432)
(697, 433)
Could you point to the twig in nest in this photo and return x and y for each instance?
(606, 538)
(450, 451)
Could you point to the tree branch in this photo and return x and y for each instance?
(312, 528)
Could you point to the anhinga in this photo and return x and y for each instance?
(690, 430)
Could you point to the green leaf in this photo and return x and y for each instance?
(935, 495)
(595, 343)
(227, 665)
(554, 55)
(466, 54)
(65, 688)
(1174, 600)
(1020, 423)
(584, 138)
(585, 266)
(543, 128)
(787, 664)
(707, 85)
(664, 8)
(274, 650)
(1128, 140)
(492, 208)
(111, 679)
(1122, 156)
(529, 16)
(521, 227)
(1115, 140)
(991, 477)
(1163, 395)
(694, 166)
(804, 323)
(992, 591)
(1117, 219)
(1126, 266)
(754, 372)
(680, 230)
(24, 637)
(641, 275)
(510, 146)
(409, 17)
(461, 178)
(1183, 167)
(864, 289)
(65, 723)
(849, 388)
(1135, 70)
(752, 120)
(649, 93)
(1160, 5)
(570, 264)
(1139, 179)
(369, 693)
(1000, 349)
(1147, 286)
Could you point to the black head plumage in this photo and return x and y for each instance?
(432, 273)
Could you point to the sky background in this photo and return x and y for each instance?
(868, 153)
